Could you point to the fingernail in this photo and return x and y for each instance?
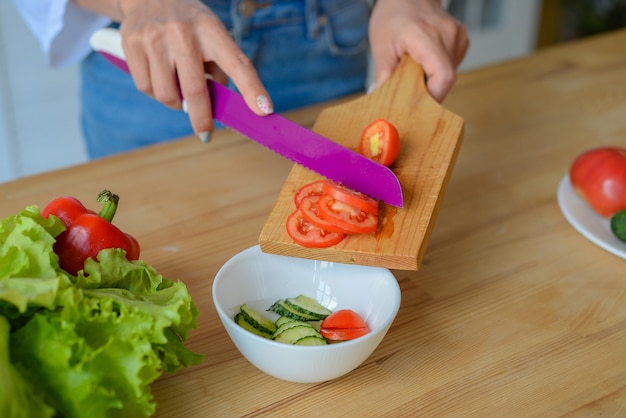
(185, 106)
(264, 104)
(205, 137)
(372, 87)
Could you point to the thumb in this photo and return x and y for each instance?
(384, 65)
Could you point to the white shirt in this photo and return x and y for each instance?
(62, 28)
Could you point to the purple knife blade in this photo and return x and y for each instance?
(286, 138)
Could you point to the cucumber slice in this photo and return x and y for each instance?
(618, 225)
(283, 320)
(308, 306)
(257, 320)
(311, 340)
(293, 334)
(283, 309)
(241, 321)
(288, 325)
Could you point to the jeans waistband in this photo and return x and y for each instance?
(246, 15)
(241, 16)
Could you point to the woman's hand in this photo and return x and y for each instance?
(423, 30)
(171, 44)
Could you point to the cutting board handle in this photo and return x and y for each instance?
(408, 82)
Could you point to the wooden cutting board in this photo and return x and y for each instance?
(430, 139)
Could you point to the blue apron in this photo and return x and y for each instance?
(305, 51)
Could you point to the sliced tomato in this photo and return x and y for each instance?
(343, 325)
(343, 318)
(380, 142)
(347, 217)
(343, 334)
(308, 235)
(351, 197)
(311, 189)
(311, 212)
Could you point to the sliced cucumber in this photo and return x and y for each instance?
(241, 321)
(293, 334)
(257, 320)
(311, 340)
(283, 320)
(283, 309)
(287, 325)
(307, 306)
(618, 225)
(298, 322)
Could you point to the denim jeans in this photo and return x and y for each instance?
(305, 51)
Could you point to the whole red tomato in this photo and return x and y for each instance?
(599, 176)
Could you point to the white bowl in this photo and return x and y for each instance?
(260, 279)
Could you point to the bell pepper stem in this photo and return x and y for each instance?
(110, 201)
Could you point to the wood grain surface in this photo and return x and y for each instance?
(430, 140)
(512, 313)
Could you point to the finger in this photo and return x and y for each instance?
(385, 62)
(194, 89)
(440, 76)
(138, 65)
(165, 87)
(243, 74)
(439, 85)
(462, 46)
(439, 69)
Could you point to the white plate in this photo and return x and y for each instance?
(591, 225)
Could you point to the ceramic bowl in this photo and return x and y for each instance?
(259, 279)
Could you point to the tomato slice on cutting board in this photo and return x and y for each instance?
(346, 217)
(310, 211)
(380, 142)
(326, 212)
(309, 235)
(311, 189)
(351, 197)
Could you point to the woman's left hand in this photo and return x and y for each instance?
(423, 30)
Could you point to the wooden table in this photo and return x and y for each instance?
(513, 313)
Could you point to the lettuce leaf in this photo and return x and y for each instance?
(85, 345)
(25, 245)
(17, 398)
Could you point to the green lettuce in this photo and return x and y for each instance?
(85, 345)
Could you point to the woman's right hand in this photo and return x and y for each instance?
(171, 44)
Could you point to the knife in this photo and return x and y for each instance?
(281, 136)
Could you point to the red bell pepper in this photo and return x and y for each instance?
(88, 232)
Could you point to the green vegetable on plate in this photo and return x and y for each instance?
(618, 224)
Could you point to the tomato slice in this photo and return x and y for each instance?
(380, 142)
(343, 318)
(308, 235)
(347, 217)
(351, 197)
(343, 325)
(343, 334)
(311, 189)
(310, 211)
